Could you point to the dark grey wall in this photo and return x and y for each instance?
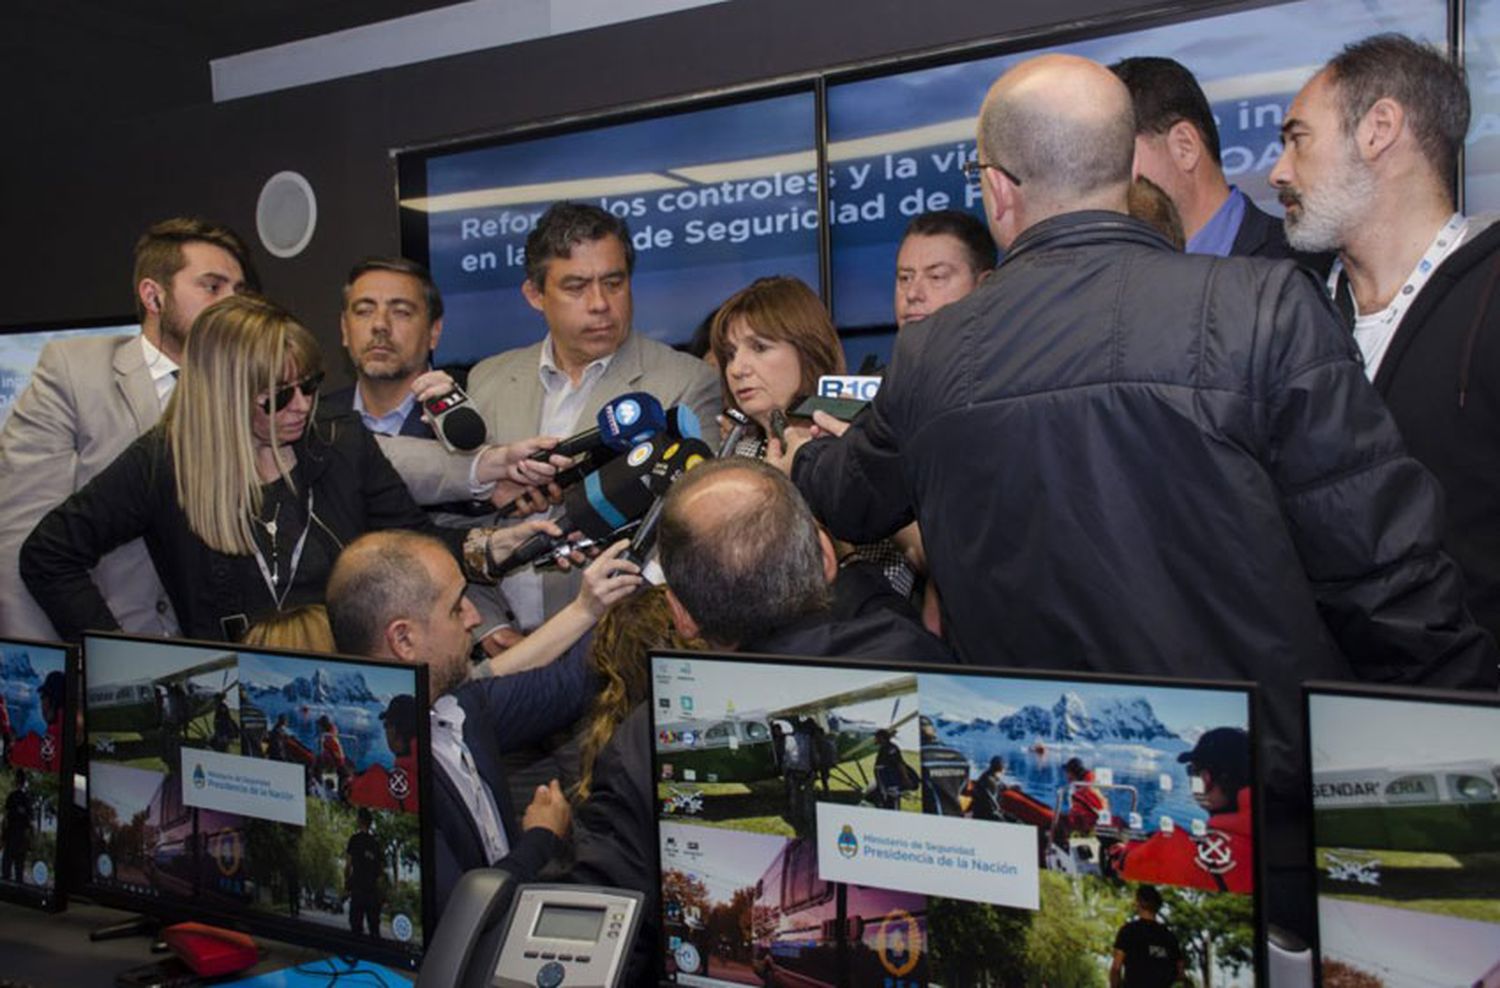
(73, 202)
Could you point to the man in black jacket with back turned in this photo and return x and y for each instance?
(1127, 459)
(1416, 280)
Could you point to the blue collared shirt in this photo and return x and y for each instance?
(1217, 235)
(391, 422)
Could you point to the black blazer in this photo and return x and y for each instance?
(343, 401)
(356, 490)
(501, 715)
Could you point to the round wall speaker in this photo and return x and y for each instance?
(286, 214)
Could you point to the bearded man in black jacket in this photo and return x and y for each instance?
(1372, 144)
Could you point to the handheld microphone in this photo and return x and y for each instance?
(608, 499)
(623, 422)
(676, 461)
(741, 423)
(455, 423)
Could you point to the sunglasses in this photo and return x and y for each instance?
(282, 396)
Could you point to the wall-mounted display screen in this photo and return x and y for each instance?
(270, 789)
(714, 197)
(839, 824)
(721, 195)
(21, 347)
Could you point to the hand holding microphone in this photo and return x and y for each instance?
(447, 409)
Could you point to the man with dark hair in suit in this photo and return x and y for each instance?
(1177, 148)
(399, 595)
(391, 321)
(579, 262)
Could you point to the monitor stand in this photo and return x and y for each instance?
(136, 926)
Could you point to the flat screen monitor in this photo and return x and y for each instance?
(1406, 835)
(273, 791)
(715, 196)
(841, 823)
(36, 742)
(21, 346)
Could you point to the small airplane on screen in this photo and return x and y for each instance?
(750, 746)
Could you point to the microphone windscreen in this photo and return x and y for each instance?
(683, 423)
(463, 428)
(630, 418)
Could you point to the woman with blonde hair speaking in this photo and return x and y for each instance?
(244, 498)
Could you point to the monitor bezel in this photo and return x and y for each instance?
(1366, 691)
(1249, 690)
(272, 927)
(130, 322)
(57, 899)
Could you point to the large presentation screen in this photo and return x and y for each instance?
(259, 788)
(36, 735)
(1406, 826)
(851, 824)
(897, 142)
(715, 198)
(21, 347)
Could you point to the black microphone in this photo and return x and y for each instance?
(741, 423)
(676, 461)
(623, 422)
(455, 423)
(608, 499)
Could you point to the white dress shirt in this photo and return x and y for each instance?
(454, 759)
(562, 403)
(163, 370)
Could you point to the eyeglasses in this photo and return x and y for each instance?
(973, 168)
(282, 396)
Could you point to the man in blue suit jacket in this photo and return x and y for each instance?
(399, 595)
(391, 321)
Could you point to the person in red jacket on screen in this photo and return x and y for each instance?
(1221, 857)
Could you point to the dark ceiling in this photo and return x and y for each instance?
(67, 63)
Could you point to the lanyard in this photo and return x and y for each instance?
(1445, 243)
(265, 571)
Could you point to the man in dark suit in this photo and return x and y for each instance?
(399, 595)
(1177, 147)
(391, 321)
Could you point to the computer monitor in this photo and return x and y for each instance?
(269, 790)
(842, 823)
(1406, 835)
(36, 789)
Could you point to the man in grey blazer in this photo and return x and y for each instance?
(578, 266)
(90, 398)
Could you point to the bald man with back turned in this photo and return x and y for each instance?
(1127, 459)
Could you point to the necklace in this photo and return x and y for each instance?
(271, 528)
(272, 573)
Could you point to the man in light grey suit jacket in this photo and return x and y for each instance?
(90, 398)
(578, 266)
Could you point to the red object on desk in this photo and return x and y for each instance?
(211, 951)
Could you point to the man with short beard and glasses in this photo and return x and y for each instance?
(91, 397)
(1369, 166)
